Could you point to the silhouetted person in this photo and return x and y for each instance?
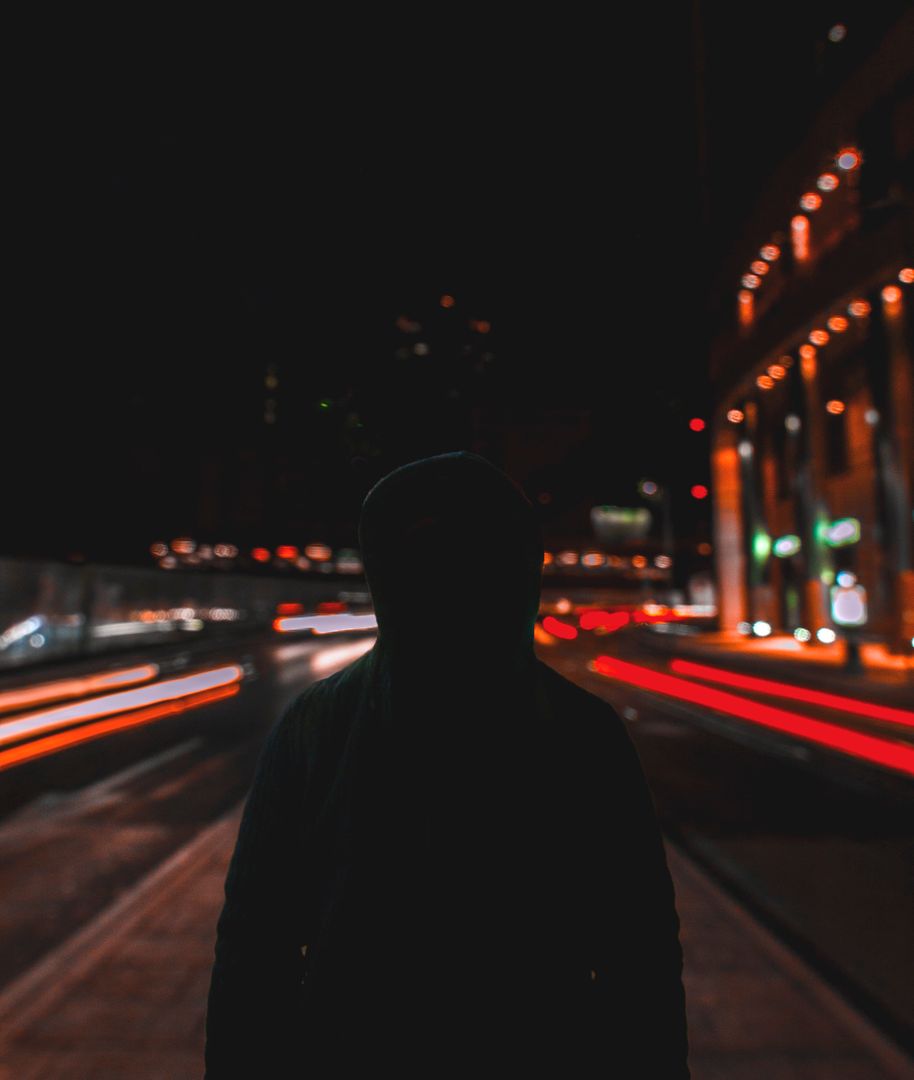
(462, 839)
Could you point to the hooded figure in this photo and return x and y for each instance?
(448, 862)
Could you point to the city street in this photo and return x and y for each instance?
(791, 869)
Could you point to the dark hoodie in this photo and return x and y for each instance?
(462, 838)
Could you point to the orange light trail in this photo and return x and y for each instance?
(51, 744)
(871, 748)
(108, 704)
(70, 688)
(795, 693)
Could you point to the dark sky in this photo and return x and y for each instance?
(191, 215)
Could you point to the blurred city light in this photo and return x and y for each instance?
(785, 546)
(746, 307)
(799, 233)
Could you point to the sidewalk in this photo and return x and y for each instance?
(125, 998)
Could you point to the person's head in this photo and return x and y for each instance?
(453, 554)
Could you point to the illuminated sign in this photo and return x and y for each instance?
(842, 532)
(615, 523)
(785, 546)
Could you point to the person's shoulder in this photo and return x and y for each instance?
(316, 705)
(586, 707)
(581, 715)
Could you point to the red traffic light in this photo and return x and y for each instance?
(699, 491)
(697, 424)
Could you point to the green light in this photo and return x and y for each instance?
(761, 546)
(842, 532)
(324, 403)
(785, 546)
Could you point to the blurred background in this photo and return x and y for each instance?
(659, 271)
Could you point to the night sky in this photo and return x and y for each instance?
(192, 218)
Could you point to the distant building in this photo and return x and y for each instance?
(813, 432)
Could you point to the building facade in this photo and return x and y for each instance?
(813, 431)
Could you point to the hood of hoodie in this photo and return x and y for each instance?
(439, 712)
(453, 554)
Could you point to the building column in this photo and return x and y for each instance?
(729, 533)
(817, 558)
(895, 456)
(757, 541)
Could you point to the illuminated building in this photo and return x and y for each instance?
(816, 478)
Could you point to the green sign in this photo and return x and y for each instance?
(842, 532)
(785, 546)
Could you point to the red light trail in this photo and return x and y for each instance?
(559, 629)
(885, 752)
(796, 693)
